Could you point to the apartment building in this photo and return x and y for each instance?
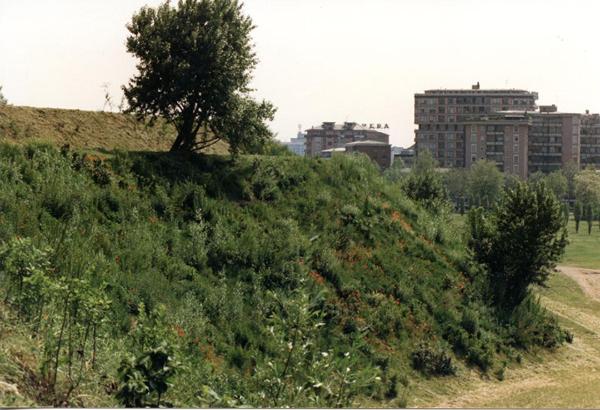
(590, 140)
(554, 139)
(501, 137)
(441, 116)
(330, 135)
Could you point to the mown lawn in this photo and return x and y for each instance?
(583, 249)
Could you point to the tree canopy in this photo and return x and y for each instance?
(519, 242)
(194, 70)
(587, 187)
(556, 181)
(2, 99)
(485, 183)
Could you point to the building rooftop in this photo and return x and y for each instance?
(366, 143)
(349, 126)
(511, 91)
(334, 150)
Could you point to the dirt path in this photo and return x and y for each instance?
(568, 377)
(588, 279)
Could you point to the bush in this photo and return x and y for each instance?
(432, 360)
(532, 325)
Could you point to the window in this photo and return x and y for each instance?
(516, 148)
(515, 159)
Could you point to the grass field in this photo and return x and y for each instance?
(583, 249)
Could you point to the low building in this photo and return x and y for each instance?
(406, 155)
(328, 153)
(331, 135)
(379, 152)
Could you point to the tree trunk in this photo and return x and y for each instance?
(186, 135)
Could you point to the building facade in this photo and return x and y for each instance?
(330, 135)
(406, 155)
(297, 145)
(553, 140)
(460, 127)
(379, 152)
(500, 137)
(441, 117)
(590, 140)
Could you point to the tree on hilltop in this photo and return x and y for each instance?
(2, 99)
(194, 70)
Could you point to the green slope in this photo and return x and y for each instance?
(247, 257)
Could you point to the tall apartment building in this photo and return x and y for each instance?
(330, 135)
(590, 140)
(501, 137)
(441, 116)
(554, 139)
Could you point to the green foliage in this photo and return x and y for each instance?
(485, 183)
(424, 163)
(532, 325)
(395, 173)
(519, 243)
(246, 256)
(556, 181)
(196, 61)
(424, 184)
(145, 375)
(456, 182)
(432, 360)
(426, 189)
(2, 99)
(301, 374)
(577, 214)
(66, 313)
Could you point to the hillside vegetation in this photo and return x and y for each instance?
(171, 279)
(86, 129)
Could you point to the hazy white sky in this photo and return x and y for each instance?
(324, 60)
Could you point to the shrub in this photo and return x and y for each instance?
(432, 360)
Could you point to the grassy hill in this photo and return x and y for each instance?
(267, 281)
(92, 130)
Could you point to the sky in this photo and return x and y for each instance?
(324, 60)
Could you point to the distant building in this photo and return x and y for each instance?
(406, 155)
(379, 152)
(297, 145)
(328, 153)
(460, 127)
(331, 135)
(522, 142)
(500, 137)
(441, 116)
(590, 140)
(553, 140)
